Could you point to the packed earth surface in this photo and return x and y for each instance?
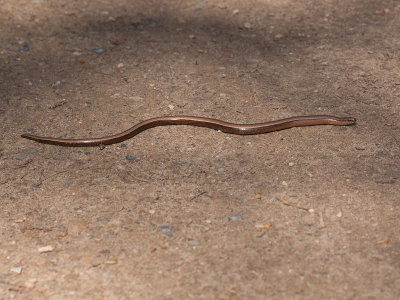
(182, 212)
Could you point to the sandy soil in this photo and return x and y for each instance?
(192, 213)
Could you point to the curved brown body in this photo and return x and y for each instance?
(241, 129)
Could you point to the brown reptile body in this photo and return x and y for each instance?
(241, 129)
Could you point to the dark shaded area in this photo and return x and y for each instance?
(233, 42)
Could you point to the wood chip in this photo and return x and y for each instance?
(45, 249)
(284, 202)
(264, 226)
(383, 242)
(110, 262)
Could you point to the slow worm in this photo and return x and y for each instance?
(242, 129)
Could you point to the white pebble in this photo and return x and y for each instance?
(17, 270)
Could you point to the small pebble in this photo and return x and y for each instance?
(25, 47)
(193, 242)
(132, 158)
(21, 157)
(192, 36)
(31, 151)
(110, 262)
(136, 98)
(257, 196)
(152, 211)
(120, 65)
(99, 50)
(46, 249)
(75, 227)
(279, 36)
(235, 217)
(324, 63)
(102, 219)
(178, 163)
(17, 270)
(247, 25)
(167, 230)
(221, 169)
(291, 164)
(284, 183)
(76, 53)
(30, 283)
(252, 60)
(235, 12)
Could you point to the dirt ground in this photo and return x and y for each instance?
(181, 212)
